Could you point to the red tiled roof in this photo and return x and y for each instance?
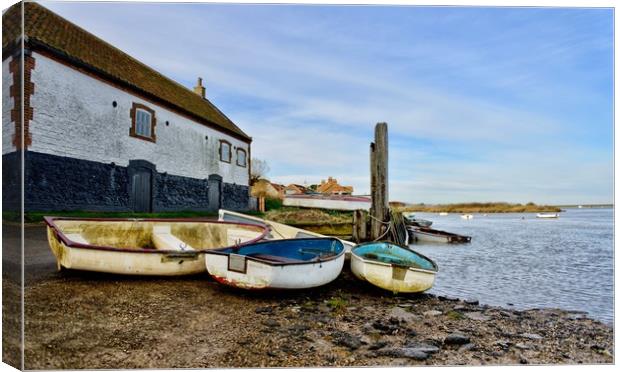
(47, 30)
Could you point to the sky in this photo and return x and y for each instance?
(482, 103)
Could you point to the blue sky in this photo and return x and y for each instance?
(483, 104)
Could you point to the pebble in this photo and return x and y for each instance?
(532, 336)
(402, 315)
(522, 346)
(271, 323)
(378, 345)
(432, 313)
(403, 352)
(456, 339)
(467, 347)
(423, 347)
(476, 315)
(448, 298)
(472, 302)
(346, 339)
(264, 310)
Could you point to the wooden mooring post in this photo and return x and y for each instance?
(379, 209)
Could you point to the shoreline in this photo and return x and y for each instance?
(86, 320)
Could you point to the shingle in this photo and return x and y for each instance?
(45, 27)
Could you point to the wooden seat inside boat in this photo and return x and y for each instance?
(77, 238)
(163, 238)
(272, 258)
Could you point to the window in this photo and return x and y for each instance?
(142, 122)
(241, 161)
(225, 153)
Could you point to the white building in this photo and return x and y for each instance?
(102, 131)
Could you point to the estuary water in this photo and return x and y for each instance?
(518, 260)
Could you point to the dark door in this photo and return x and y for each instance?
(141, 190)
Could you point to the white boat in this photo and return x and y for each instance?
(278, 264)
(443, 213)
(424, 234)
(467, 216)
(393, 268)
(143, 246)
(278, 230)
(547, 215)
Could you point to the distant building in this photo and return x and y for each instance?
(295, 189)
(332, 187)
(266, 189)
(103, 131)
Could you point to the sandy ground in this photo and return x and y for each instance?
(84, 320)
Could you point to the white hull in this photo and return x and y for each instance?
(129, 263)
(467, 216)
(392, 278)
(547, 215)
(260, 275)
(425, 237)
(443, 213)
(279, 230)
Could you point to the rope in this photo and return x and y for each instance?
(378, 220)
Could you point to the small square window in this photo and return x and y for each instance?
(241, 158)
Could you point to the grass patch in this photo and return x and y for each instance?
(455, 315)
(337, 304)
(492, 207)
(303, 216)
(32, 217)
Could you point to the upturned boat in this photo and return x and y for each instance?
(547, 215)
(392, 267)
(424, 234)
(143, 246)
(278, 264)
(278, 230)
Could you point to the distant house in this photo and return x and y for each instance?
(295, 189)
(266, 189)
(332, 187)
(102, 131)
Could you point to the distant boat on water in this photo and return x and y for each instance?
(547, 215)
(443, 213)
(467, 216)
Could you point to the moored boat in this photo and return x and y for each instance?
(467, 216)
(547, 215)
(278, 264)
(424, 234)
(393, 268)
(278, 230)
(143, 246)
(411, 220)
(443, 213)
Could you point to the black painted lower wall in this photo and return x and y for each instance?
(56, 183)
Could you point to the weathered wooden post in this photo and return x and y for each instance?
(379, 209)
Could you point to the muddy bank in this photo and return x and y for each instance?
(81, 320)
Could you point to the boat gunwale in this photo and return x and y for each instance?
(219, 252)
(49, 220)
(435, 232)
(377, 262)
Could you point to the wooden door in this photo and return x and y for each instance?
(141, 189)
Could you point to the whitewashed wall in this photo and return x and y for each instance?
(74, 116)
(343, 205)
(8, 127)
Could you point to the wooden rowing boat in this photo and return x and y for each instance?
(424, 234)
(392, 267)
(278, 230)
(278, 264)
(143, 246)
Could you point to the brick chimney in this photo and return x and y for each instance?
(199, 89)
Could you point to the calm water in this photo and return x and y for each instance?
(562, 263)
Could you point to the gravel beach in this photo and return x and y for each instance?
(86, 320)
